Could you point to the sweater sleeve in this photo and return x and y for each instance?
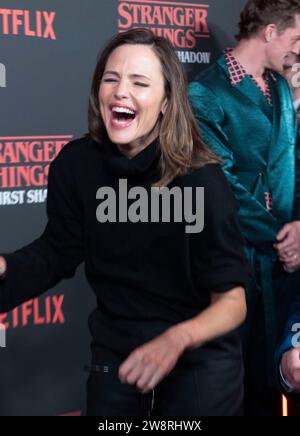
(219, 261)
(40, 265)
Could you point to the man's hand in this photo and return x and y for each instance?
(290, 367)
(288, 246)
(147, 365)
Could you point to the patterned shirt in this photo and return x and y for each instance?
(237, 73)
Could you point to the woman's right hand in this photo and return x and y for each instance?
(2, 266)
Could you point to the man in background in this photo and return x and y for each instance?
(245, 113)
(288, 351)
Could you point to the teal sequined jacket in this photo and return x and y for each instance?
(259, 148)
(257, 145)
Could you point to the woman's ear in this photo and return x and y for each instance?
(164, 106)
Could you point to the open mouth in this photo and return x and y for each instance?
(122, 115)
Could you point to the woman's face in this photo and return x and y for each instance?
(131, 96)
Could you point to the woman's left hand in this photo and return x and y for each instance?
(147, 365)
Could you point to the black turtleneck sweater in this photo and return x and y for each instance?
(146, 276)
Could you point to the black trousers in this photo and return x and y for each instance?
(189, 390)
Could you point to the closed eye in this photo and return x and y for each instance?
(145, 85)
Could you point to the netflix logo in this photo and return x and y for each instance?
(24, 167)
(39, 24)
(184, 24)
(40, 311)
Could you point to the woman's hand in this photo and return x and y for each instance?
(2, 266)
(147, 365)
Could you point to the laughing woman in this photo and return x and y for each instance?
(170, 296)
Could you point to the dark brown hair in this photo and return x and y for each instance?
(259, 13)
(182, 147)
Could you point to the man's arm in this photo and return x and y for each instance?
(289, 249)
(258, 225)
(296, 214)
